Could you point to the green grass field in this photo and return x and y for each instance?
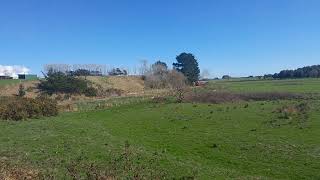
(245, 140)
(291, 85)
(5, 82)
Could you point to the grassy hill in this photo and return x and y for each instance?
(126, 84)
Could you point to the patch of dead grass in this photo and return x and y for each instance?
(10, 172)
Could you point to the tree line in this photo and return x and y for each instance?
(186, 63)
(304, 72)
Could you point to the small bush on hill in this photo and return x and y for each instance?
(21, 91)
(156, 77)
(58, 82)
(17, 108)
(91, 92)
(102, 92)
(113, 92)
(159, 77)
(177, 83)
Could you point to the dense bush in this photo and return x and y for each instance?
(91, 92)
(18, 108)
(58, 82)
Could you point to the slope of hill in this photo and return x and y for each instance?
(11, 87)
(126, 84)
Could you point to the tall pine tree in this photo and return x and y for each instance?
(188, 65)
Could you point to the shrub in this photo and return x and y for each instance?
(14, 111)
(113, 92)
(17, 108)
(91, 92)
(48, 106)
(287, 112)
(58, 82)
(177, 83)
(159, 77)
(21, 91)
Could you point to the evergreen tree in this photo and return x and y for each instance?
(187, 64)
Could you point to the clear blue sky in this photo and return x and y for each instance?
(236, 37)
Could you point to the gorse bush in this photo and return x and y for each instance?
(90, 92)
(58, 82)
(18, 108)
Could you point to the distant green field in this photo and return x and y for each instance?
(291, 85)
(5, 82)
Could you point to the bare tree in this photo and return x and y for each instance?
(144, 67)
(64, 68)
(156, 76)
(177, 82)
(94, 69)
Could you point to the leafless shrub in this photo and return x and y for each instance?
(211, 97)
(177, 84)
(159, 77)
(67, 68)
(223, 97)
(270, 96)
(156, 76)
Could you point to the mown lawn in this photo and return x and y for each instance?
(242, 140)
